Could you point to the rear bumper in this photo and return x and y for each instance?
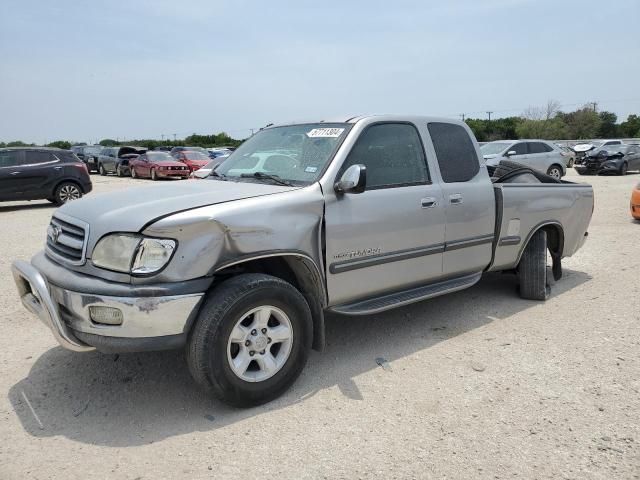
(147, 322)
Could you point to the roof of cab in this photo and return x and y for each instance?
(378, 117)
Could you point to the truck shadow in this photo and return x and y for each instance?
(136, 399)
(27, 206)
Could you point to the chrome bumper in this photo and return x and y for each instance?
(65, 311)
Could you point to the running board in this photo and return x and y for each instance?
(398, 299)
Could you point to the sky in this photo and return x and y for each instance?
(88, 70)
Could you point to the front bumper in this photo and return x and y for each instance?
(148, 323)
(173, 173)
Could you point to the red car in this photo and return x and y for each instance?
(157, 165)
(193, 160)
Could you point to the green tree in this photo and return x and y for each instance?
(108, 142)
(631, 127)
(18, 143)
(608, 127)
(581, 124)
(63, 144)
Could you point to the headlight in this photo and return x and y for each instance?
(132, 253)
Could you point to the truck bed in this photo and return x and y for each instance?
(522, 208)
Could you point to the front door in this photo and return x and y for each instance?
(391, 236)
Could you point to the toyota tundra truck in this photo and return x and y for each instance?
(354, 216)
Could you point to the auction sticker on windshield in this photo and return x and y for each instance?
(325, 132)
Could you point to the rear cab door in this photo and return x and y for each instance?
(39, 174)
(391, 236)
(10, 171)
(469, 200)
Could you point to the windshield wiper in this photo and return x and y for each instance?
(262, 175)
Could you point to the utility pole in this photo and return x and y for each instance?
(489, 113)
(595, 104)
(252, 129)
(174, 136)
(162, 136)
(462, 116)
(489, 125)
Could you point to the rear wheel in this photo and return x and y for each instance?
(66, 192)
(251, 339)
(555, 171)
(532, 269)
(119, 171)
(133, 173)
(101, 170)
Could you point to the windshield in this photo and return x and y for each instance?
(92, 150)
(493, 148)
(295, 153)
(160, 157)
(195, 156)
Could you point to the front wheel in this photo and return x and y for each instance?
(154, 177)
(119, 171)
(623, 169)
(101, 170)
(251, 339)
(133, 173)
(532, 269)
(555, 171)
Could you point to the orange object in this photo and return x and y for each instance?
(635, 202)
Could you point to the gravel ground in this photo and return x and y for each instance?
(476, 384)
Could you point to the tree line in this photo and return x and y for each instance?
(547, 122)
(208, 141)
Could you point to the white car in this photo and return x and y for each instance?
(538, 154)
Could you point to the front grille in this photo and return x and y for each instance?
(67, 239)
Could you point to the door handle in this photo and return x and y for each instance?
(455, 199)
(428, 202)
(14, 173)
(57, 168)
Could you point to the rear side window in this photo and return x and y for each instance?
(35, 157)
(393, 155)
(519, 148)
(539, 147)
(456, 154)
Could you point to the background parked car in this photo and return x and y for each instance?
(176, 150)
(538, 154)
(116, 159)
(635, 202)
(42, 173)
(205, 171)
(155, 165)
(617, 159)
(89, 155)
(193, 160)
(218, 152)
(568, 154)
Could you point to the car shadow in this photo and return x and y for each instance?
(27, 206)
(135, 399)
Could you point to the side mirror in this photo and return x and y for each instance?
(353, 180)
(511, 152)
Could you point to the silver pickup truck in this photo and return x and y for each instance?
(355, 216)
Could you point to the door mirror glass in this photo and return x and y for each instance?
(353, 180)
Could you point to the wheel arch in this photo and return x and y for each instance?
(555, 238)
(296, 268)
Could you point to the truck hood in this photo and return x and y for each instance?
(130, 210)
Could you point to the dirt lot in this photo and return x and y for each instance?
(478, 384)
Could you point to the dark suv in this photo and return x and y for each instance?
(88, 154)
(38, 173)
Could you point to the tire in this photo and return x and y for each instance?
(210, 349)
(101, 170)
(66, 192)
(119, 172)
(623, 169)
(581, 172)
(532, 269)
(133, 173)
(153, 174)
(555, 171)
